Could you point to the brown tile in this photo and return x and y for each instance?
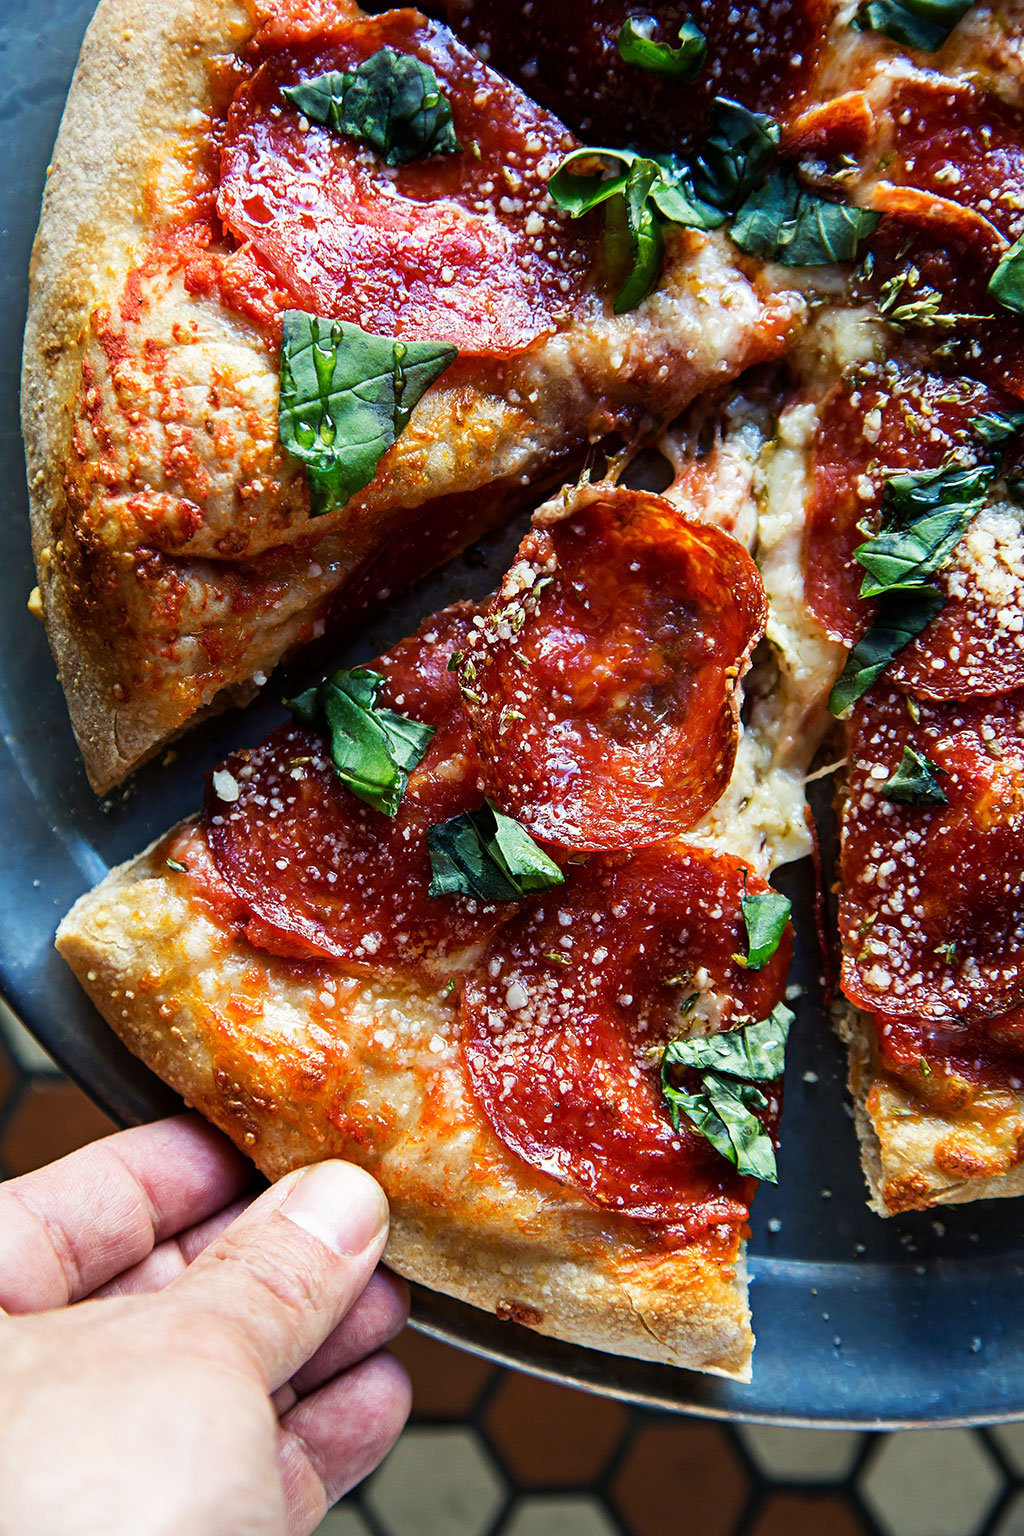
(549, 1435)
(680, 1472)
(446, 1382)
(50, 1119)
(797, 1514)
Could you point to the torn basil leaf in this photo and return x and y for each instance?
(997, 427)
(637, 46)
(925, 514)
(345, 398)
(765, 916)
(652, 190)
(373, 749)
(917, 23)
(1007, 281)
(723, 1113)
(391, 101)
(755, 1052)
(785, 222)
(903, 613)
(915, 781)
(647, 243)
(488, 855)
(738, 149)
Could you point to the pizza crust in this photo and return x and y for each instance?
(296, 1062)
(915, 1155)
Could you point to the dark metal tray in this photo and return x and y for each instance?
(858, 1321)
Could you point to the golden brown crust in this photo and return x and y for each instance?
(915, 1154)
(164, 510)
(297, 1062)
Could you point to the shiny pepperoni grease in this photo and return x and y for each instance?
(565, 1017)
(931, 917)
(465, 248)
(321, 873)
(603, 685)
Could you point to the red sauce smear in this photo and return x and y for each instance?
(559, 1050)
(602, 688)
(566, 56)
(926, 1055)
(931, 917)
(324, 874)
(462, 248)
(886, 418)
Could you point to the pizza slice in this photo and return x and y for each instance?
(468, 918)
(305, 319)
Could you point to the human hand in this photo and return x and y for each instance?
(224, 1376)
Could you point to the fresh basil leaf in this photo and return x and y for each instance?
(917, 23)
(925, 514)
(647, 243)
(723, 1115)
(756, 1052)
(578, 192)
(488, 855)
(785, 222)
(373, 749)
(345, 397)
(916, 492)
(1007, 281)
(392, 101)
(650, 190)
(996, 427)
(738, 149)
(637, 46)
(915, 781)
(906, 557)
(903, 613)
(675, 197)
(765, 915)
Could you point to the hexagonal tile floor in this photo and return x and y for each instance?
(493, 1453)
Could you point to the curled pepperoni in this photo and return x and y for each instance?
(323, 874)
(463, 248)
(564, 1021)
(603, 685)
(762, 54)
(931, 918)
(886, 418)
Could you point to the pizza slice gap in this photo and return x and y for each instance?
(562, 1058)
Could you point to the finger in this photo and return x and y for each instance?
(71, 1227)
(170, 1258)
(332, 1440)
(274, 1285)
(379, 1316)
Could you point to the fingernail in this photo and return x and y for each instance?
(339, 1204)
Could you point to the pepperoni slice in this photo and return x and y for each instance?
(563, 1020)
(462, 248)
(886, 418)
(603, 685)
(931, 918)
(962, 144)
(761, 54)
(323, 874)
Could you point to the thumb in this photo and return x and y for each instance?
(283, 1275)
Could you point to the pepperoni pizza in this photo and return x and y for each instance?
(318, 296)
